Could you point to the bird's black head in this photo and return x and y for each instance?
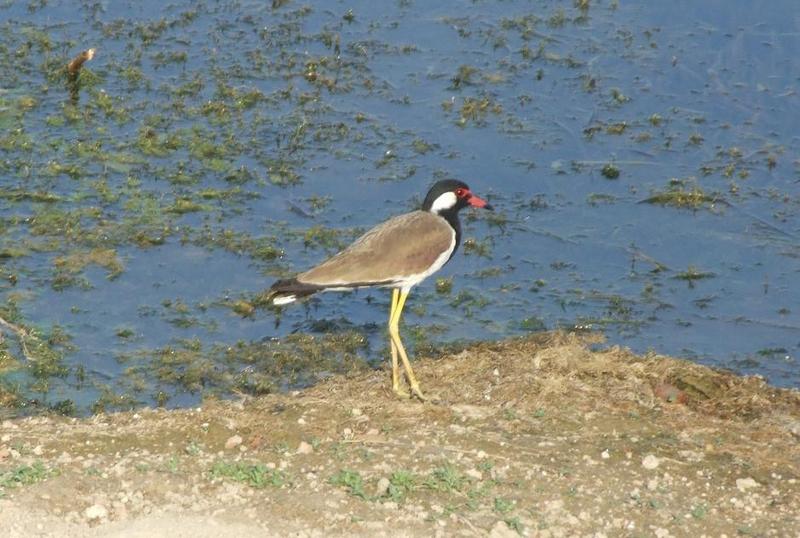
(450, 195)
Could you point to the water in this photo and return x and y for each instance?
(215, 136)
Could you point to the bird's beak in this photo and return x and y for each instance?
(479, 202)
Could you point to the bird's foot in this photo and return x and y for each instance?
(418, 392)
(400, 392)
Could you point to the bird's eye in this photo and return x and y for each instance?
(460, 192)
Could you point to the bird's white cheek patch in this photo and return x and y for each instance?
(444, 201)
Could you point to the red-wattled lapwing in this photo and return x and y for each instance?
(398, 254)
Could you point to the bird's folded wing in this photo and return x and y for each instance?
(393, 251)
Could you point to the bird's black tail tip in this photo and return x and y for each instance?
(288, 291)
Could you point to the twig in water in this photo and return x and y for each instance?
(74, 66)
(74, 70)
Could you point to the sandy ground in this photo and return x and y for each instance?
(534, 437)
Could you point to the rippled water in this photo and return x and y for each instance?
(214, 147)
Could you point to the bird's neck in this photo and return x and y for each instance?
(451, 216)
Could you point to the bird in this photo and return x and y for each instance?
(397, 254)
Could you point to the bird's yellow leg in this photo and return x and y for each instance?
(398, 390)
(394, 332)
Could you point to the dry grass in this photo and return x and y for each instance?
(534, 371)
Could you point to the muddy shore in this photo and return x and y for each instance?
(552, 435)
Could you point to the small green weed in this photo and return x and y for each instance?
(446, 478)
(351, 480)
(24, 475)
(401, 483)
(256, 475)
(699, 511)
(503, 506)
(514, 524)
(171, 465)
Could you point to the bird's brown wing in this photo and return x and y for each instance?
(401, 247)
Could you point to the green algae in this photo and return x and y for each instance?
(259, 248)
(76, 262)
(682, 194)
(250, 367)
(610, 171)
(22, 195)
(481, 248)
(475, 110)
(693, 274)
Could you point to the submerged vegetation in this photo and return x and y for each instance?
(682, 194)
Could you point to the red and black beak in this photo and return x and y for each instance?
(479, 202)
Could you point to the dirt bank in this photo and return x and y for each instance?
(539, 436)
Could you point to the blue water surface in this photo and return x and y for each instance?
(687, 95)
